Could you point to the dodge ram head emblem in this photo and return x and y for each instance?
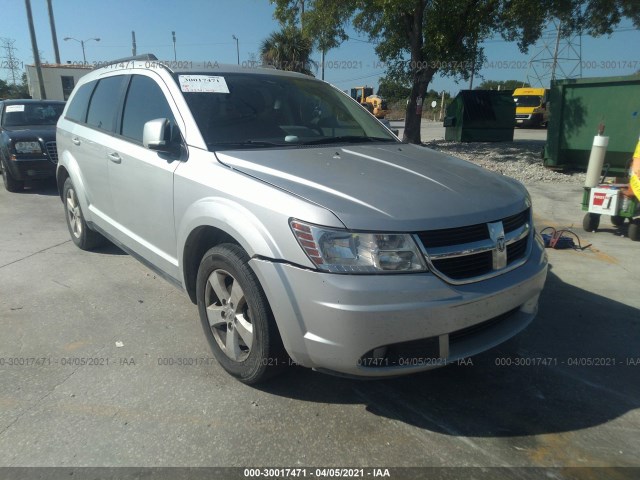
(499, 254)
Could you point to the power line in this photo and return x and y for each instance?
(362, 77)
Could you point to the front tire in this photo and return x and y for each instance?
(236, 316)
(81, 234)
(10, 183)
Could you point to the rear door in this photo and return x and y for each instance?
(91, 120)
(141, 180)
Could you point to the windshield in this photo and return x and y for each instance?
(41, 113)
(528, 100)
(266, 111)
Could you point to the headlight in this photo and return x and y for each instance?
(343, 251)
(28, 147)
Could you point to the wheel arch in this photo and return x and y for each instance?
(212, 221)
(199, 241)
(61, 176)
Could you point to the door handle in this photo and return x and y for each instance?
(114, 157)
(76, 141)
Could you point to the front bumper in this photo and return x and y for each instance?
(530, 119)
(31, 168)
(333, 322)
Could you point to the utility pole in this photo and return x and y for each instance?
(442, 107)
(237, 47)
(34, 45)
(54, 36)
(473, 64)
(10, 58)
(555, 53)
(133, 43)
(173, 34)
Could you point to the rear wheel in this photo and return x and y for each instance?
(236, 316)
(617, 220)
(10, 183)
(81, 234)
(591, 222)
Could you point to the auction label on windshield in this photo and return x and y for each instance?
(203, 84)
(14, 108)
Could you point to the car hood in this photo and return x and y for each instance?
(396, 187)
(46, 133)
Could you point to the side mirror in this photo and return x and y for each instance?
(157, 136)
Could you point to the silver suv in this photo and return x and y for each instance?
(302, 228)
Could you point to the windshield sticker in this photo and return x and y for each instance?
(203, 84)
(14, 108)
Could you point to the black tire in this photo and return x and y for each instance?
(591, 222)
(10, 183)
(634, 230)
(238, 324)
(617, 220)
(81, 234)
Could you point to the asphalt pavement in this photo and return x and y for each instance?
(104, 364)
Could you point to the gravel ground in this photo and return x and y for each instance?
(521, 160)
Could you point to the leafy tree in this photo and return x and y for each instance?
(10, 90)
(503, 84)
(393, 90)
(419, 38)
(288, 49)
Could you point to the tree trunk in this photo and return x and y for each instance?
(413, 114)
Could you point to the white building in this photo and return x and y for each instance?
(59, 80)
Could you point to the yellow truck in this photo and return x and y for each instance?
(373, 103)
(531, 107)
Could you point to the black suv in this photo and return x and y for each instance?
(28, 140)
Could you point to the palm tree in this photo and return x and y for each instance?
(288, 49)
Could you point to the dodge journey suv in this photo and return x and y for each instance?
(301, 227)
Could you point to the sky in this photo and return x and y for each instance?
(204, 30)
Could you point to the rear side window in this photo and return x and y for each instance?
(104, 103)
(77, 110)
(145, 101)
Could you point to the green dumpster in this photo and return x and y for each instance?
(578, 107)
(480, 116)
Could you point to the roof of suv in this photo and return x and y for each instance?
(149, 61)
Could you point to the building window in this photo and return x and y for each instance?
(67, 86)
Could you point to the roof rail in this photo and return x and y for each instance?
(143, 56)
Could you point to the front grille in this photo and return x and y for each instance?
(516, 250)
(454, 236)
(466, 266)
(52, 151)
(516, 221)
(469, 253)
(425, 352)
(478, 328)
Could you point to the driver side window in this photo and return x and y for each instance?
(145, 101)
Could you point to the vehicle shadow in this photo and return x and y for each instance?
(109, 249)
(47, 187)
(568, 371)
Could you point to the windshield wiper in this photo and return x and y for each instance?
(247, 143)
(348, 139)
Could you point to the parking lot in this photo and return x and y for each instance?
(104, 364)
